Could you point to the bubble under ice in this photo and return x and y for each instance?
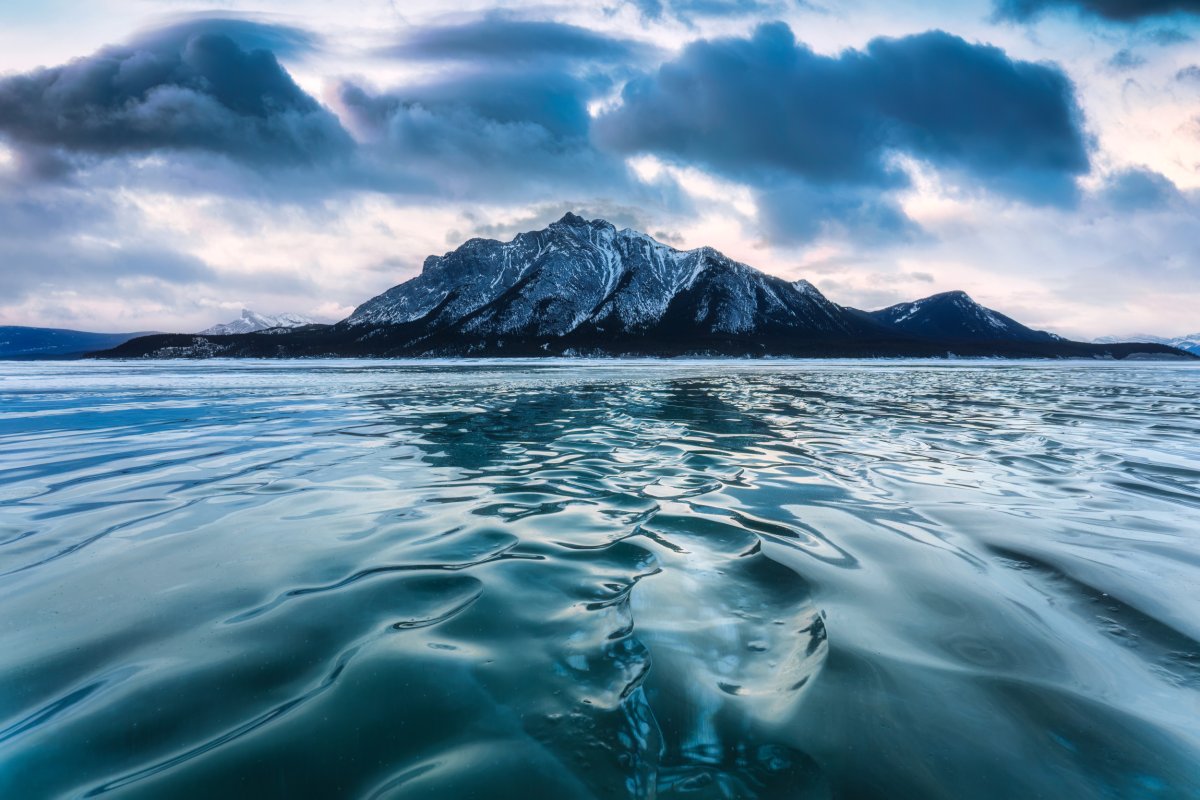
(599, 580)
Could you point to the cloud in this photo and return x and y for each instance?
(1167, 37)
(1125, 59)
(75, 248)
(510, 124)
(1139, 189)
(1189, 74)
(35, 270)
(771, 113)
(68, 239)
(1114, 10)
(184, 88)
(247, 32)
(547, 103)
(796, 211)
(504, 40)
(688, 10)
(507, 133)
(509, 116)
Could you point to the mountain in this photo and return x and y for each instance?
(19, 342)
(582, 287)
(585, 282)
(252, 322)
(954, 316)
(1190, 342)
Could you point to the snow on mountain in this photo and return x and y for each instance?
(955, 316)
(585, 277)
(252, 322)
(1190, 342)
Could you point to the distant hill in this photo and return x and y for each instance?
(1190, 342)
(955, 316)
(24, 343)
(582, 287)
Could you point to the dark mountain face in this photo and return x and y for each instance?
(18, 342)
(954, 316)
(581, 287)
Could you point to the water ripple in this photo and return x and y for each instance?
(604, 580)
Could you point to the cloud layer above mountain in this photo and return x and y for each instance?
(768, 111)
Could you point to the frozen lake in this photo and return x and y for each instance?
(600, 579)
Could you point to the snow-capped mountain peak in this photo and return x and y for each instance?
(252, 322)
(804, 287)
(580, 276)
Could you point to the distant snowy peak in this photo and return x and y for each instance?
(252, 322)
(1190, 342)
(581, 276)
(955, 316)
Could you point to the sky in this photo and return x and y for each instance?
(166, 163)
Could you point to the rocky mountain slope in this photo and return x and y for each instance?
(585, 280)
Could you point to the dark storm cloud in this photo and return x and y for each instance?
(771, 113)
(545, 104)
(180, 88)
(475, 134)
(505, 40)
(506, 117)
(526, 138)
(1115, 10)
(520, 131)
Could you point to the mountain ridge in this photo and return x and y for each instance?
(955, 315)
(578, 275)
(23, 342)
(1188, 342)
(582, 287)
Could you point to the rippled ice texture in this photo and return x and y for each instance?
(560, 580)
